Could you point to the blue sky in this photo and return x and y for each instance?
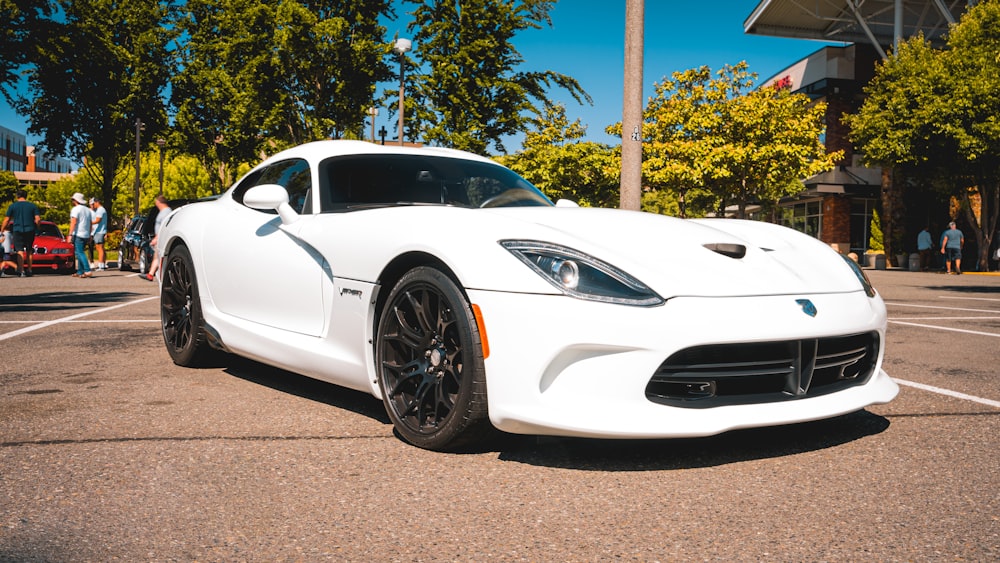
(586, 41)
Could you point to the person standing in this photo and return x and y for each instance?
(100, 230)
(163, 211)
(925, 244)
(23, 216)
(952, 242)
(81, 219)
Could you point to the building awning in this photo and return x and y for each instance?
(850, 180)
(876, 22)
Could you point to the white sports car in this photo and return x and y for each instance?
(455, 291)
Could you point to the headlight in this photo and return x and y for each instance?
(61, 251)
(865, 283)
(582, 276)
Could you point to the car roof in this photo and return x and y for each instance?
(318, 150)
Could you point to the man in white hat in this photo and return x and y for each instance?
(81, 218)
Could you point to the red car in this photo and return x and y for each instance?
(52, 251)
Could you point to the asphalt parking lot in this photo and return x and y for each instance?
(110, 452)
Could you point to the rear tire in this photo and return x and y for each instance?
(180, 311)
(143, 262)
(122, 262)
(430, 363)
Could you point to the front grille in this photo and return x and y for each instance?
(762, 372)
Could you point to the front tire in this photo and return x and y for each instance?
(180, 310)
(430, 363)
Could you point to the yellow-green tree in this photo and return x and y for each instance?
(715, 140)
(557, 161)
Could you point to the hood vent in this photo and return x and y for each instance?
(727, 249)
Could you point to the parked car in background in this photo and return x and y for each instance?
(52, 252)
(135, 246)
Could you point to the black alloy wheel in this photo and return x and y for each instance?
(430, 363)
(180, 310)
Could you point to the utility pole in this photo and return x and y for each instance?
(631, 173)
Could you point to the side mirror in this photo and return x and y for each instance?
(268, 197)
(566, 203)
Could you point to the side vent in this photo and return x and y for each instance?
(726, 249)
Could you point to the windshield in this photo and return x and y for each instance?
(365, 180)
(49, 230)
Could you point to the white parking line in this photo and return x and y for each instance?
(44, 324)
(962, 330)
(942, 308)
(968, 298)
(948, 392)
(948, 319)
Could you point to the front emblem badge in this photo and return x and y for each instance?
(807, 307)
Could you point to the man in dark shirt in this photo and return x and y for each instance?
(23, 216)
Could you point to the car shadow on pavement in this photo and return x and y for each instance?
(304, 387)
(62, 300)
(688, 453)
(594, 454)
(966, 288)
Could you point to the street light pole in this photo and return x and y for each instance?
(160, 143)
(138, 128)
(373, 112)
(401, 47)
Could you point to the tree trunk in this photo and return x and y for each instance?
(893, 212)
(985, 227)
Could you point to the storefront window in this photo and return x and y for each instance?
(861, 219)
(804, 216)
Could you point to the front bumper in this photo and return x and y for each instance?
(56, 263)
(562, 366)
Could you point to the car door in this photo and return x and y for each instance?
(260, 271)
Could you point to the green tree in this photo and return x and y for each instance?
(94, 68)
(54, 200)
(719, 140)
(934, 112)
(875, 230)
(467, 93)
(20, 18)
(258, 76)
(329, 54)
(8, 187)
(557, 161)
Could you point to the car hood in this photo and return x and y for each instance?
(48, 240)
(677, 257)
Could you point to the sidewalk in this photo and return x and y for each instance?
(942, 272)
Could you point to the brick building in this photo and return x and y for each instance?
(31, 167)
(836, 207)
(13, 151)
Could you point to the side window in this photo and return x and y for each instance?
(291, 174)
